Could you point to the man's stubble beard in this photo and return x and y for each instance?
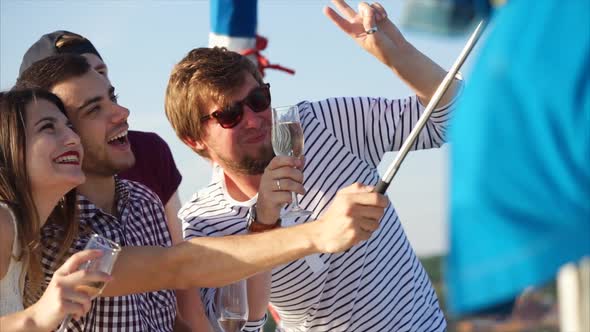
(249, 165)
(105, 167)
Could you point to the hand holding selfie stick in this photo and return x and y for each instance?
(442, 88)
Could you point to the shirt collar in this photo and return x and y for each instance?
(219, 176)
(88, 209)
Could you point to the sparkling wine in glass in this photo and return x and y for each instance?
(232, 306)
(287, 140)
(110, 251)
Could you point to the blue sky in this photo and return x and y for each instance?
(141, 40)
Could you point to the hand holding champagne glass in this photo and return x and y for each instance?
(287, 140)
(104, 264)
(231, 302)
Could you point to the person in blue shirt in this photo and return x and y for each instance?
(520, 160)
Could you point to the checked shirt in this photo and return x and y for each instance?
(140, 222)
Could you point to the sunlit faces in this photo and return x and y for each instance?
(97, 64)
(54, 154)
(245, 148)
(92, 107)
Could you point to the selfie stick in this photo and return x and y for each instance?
(446, 82)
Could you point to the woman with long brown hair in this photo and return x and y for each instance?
(40, 165)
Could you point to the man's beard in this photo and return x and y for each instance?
(249, 165)
(105, 167)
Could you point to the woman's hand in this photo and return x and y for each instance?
(63, 296)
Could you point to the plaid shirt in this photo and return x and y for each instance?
(141, 222)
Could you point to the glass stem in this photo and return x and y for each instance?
(294, 202)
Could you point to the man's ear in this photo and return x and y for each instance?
(193, 144)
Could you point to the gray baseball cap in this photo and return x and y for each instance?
(57, 42)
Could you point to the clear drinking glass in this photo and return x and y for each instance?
(287, 140)
(231, 302)
(110, 251)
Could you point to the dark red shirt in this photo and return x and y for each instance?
(154, 165)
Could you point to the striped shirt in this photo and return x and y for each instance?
(141, 222)
(377, 285)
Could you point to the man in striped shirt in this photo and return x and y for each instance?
(219, 106)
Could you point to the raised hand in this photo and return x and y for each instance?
(61, 297)
(351, 218)
(282, 176)
(384, 43)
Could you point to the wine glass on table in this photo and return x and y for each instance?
(287, 140)
(110, 251)
(231, 302)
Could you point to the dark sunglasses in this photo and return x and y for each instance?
(258, 100)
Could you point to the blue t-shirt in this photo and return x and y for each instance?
(520, 156)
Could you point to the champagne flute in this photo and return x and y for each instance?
(232, 306)
(287, 140)
(110, 251)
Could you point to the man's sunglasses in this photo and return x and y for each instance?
(258, 100)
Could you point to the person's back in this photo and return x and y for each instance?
(520, 187)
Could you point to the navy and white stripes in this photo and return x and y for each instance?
(378, 285)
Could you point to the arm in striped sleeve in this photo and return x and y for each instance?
(369, 127)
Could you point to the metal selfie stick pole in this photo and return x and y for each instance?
(392, 170)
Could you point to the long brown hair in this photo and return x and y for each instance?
(15, 188)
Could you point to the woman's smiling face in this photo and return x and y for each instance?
(54, 153)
